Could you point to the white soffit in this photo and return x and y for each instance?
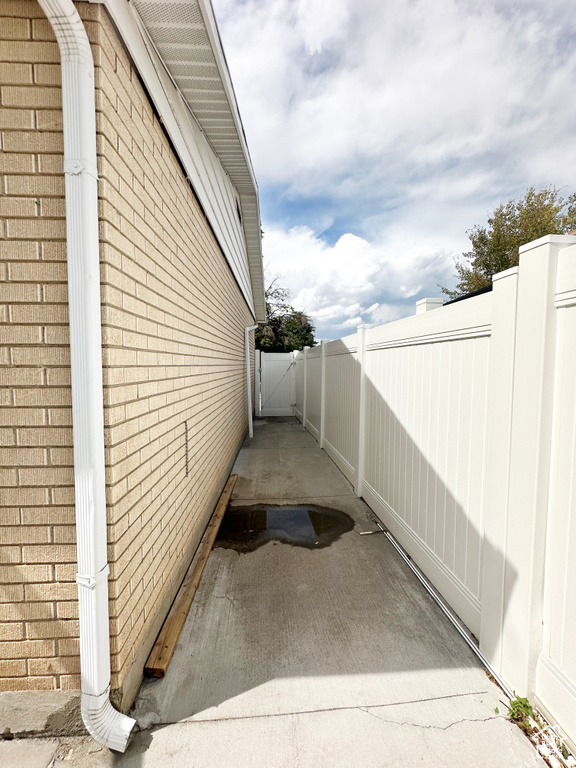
(186, 38)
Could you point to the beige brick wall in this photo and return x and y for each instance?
(173, 320)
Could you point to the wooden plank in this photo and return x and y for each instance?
(167, 639)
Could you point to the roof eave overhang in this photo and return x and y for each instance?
(192, 52)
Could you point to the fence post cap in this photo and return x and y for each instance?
(558, 240)
(425, 305)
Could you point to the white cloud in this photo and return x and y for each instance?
(353, 281)
(326, 86)
(322, 22)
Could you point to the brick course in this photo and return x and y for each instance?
(173, 319)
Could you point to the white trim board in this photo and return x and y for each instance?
(343, 465)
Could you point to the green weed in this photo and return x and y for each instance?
(520, 712)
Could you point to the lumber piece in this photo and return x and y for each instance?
(167, 639)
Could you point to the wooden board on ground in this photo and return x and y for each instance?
(166, 641)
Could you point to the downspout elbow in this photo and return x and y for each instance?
(104, 723)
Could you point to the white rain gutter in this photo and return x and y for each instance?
(248, 377)
(108, 726)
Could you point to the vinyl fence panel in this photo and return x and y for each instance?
(425, 432)
(314, 391)
(342, 390)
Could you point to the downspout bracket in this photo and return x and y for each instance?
(76, 167)
(90, 580)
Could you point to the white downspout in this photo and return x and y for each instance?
(248, 377)
(108, 726)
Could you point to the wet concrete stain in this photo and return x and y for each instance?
(245, 529)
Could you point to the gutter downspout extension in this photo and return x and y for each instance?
(108, 726)
(248, 377)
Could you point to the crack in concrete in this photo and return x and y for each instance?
(292, 500)
(431, 727)
(364, 708)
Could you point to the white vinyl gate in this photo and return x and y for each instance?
(275, 383)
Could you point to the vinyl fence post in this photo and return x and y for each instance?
(496, 482)
(258, 377)
(293, 383)
(523, 550)
(361, 356)
(305, 388)
(322, 392)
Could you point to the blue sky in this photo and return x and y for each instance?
(382, 130)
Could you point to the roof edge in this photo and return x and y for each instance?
(207, 11)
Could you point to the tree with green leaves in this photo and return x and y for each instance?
(512, 224)
(286, 328)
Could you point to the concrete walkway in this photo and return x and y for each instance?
(330, 654)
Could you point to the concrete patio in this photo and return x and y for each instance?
(329, 654)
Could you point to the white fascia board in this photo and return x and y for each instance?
(206, 172)
(253, 232)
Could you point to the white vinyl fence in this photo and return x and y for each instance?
(458, 427)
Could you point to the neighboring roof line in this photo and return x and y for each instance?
(477, 292)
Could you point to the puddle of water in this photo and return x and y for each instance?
(247, 528)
